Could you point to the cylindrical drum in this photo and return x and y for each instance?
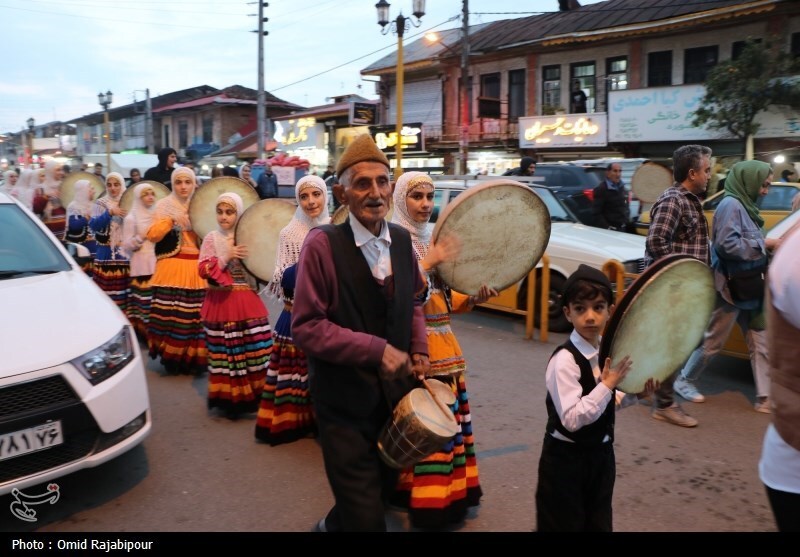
(419, 426)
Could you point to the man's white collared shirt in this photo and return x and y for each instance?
(374, 248)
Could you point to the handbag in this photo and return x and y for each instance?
(746, 285)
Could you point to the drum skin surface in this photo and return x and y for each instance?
(660, 320)
(418, 426)
(259, 229)
(126, 201)
(504, 228)
(650, 180)
(67, 191)
(203, 205)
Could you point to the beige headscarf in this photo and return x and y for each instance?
(420, 232)
(173, 206)
(294, 234)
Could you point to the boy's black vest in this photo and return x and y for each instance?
(593, 433)
(365, 306)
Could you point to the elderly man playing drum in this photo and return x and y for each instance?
(359, 320)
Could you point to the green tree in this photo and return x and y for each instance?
(737, 90)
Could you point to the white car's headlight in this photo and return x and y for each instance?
(104, 361)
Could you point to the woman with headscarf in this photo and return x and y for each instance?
(738, 245)
(285, 413)
(54, 213)
(245, 173)
(40, 200)
(142, 254)
(111, 269)
(175, 331)
(439, 489)
(9, 181)
(236, 322)
(23, 190)
(79, 212)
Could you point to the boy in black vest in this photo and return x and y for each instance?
(577, 468)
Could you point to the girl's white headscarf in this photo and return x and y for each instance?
(23, 190)
(81, 204)
(420, 233)
(106, 203)
(52, 187)
(224, 239)
(294, 233)
(241, 174)
(142, 216)
(172, 206)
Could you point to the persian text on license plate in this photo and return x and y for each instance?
(24, 441)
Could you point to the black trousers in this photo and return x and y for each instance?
(359, 479)
(575, 487)
(786, 508)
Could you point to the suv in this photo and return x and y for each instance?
(572, 184)
(571, 243)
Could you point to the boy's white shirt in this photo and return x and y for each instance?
(563, 383)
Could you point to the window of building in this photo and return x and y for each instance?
(183, 134)
(166, 135)
(738, 47)
(551, 88)
(697, 62)
(516, 94)
(490, 85)
(659, 68)
(617, 73)
(582, 87)
(208, 130)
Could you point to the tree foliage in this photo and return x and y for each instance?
(737, 90)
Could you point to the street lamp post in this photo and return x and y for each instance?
(105, 101)
(399, 26)
(31, 122)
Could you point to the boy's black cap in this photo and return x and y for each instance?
(584, 272)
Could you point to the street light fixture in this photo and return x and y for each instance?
(399, 26)
(105, 101)
(31, 123)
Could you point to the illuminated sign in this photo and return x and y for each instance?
(413, 140)
(362, 114)
(300, 132)
(570, 130)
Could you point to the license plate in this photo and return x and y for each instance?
(24, 441)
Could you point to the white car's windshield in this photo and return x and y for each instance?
(24, 247)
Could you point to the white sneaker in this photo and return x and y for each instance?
(687, 390)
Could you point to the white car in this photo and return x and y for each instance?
(571, 244)
(73, 391)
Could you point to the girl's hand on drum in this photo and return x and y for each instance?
(484, 294)
(650, 387)
(239, 251)
(613, 376)
(444, 250)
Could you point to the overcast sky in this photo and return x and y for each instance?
(58, 54)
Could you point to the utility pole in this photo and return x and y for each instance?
(463, 142)
(261, 113)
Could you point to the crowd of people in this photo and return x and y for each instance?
(366, 318)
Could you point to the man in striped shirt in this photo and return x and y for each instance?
(678, 226)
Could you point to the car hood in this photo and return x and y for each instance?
(574, 240)
(51, 319)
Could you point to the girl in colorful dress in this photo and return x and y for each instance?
(285, 413)
(142, 254)
(236, 322)
(111, 269)
(23, 190)
(438, 490)
(79, 212)
(175, 331)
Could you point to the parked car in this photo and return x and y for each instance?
(571, 243)
(774, 206)
(73, 392)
